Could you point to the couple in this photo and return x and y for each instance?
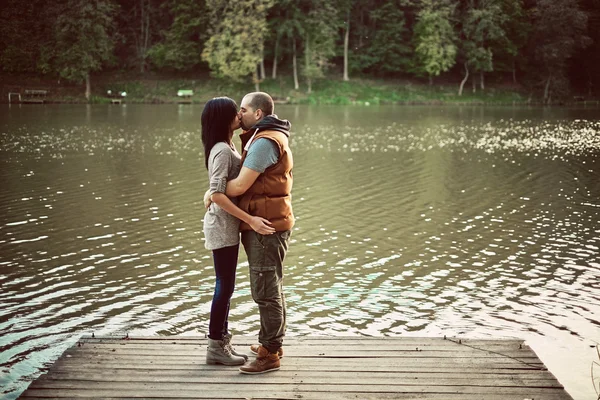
(250, 194)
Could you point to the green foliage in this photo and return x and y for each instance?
(319, 45)
(181, 44)
(390, 48)
(26, 31)
(371, 92)
(434, 39)
(140, 24)
(286, 20)
(16, 52)
(83, 36)
(542, 42)
(560, 30)
(237, 31)
(483, 24)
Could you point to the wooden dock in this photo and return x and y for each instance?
(313, 367)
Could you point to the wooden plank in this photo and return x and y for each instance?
(219, 395)
(301, 347)
(253, 387)
(220, 371)
(313, 368)
(479, 363)
(322, 354)
(300, 369)
(394, 363)
(322, 379)
(310, 340)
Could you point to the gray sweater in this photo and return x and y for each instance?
(221, 229)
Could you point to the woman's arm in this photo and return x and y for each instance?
(258, 224)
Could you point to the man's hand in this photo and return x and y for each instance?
(261, 225)
(207, 200)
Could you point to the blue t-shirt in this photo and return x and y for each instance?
(262, 154)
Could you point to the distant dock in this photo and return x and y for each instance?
(313, 367)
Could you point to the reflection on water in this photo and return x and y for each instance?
(477, 222)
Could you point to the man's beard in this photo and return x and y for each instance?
(243, 126)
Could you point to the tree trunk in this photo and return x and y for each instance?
(144, 39)
(275, 55)
(307, 63)
(88, 87)
(362, 23)
(474, 84)
(263, 75)
(547, 89)
(346, 42)
(143, 34)
(481, 80)
(514, 71)
(462, 84)
(430, 80)
(256, 81)
(295, 64)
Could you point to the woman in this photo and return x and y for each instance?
(221, 222)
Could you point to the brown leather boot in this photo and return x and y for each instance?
(265, 362)
(254, 349)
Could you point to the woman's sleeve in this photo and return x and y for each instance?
(219, 172)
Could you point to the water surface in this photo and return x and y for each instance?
(477, 222)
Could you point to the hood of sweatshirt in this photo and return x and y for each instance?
(273, 123)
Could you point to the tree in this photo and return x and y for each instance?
(361, 36)
(84, 37)
(390, 47)
(181, 44)
(508, 50)
(434, 39)
(345, 8)
(319, 39)
(560, 31)
(584, 71)
(286, 25)
(483, 25)
(237, 31)
(139, 25)
(26, 32)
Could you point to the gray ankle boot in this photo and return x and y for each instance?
(227, 340)
(218, 352)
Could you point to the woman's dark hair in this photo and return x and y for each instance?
(217, 116)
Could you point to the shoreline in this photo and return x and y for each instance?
(161, 89)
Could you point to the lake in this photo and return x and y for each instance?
(475, 222)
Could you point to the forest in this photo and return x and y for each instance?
(547, 47)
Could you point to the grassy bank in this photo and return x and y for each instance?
(163, 89)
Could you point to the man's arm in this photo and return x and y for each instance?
(239, 185)
(262, 154)
(259, 224)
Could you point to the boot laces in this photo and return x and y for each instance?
(226, 348)
(227, 344)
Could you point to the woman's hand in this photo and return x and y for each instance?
(261, 225)
(207, 200)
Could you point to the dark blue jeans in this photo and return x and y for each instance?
(225, 260)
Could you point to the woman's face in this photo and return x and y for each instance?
(235, 124)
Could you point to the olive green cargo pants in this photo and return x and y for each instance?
(265, 258)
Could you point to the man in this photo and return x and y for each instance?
(264, 188)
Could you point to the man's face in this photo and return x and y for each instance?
(248, 115)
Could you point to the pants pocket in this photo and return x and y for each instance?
(264, 282)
